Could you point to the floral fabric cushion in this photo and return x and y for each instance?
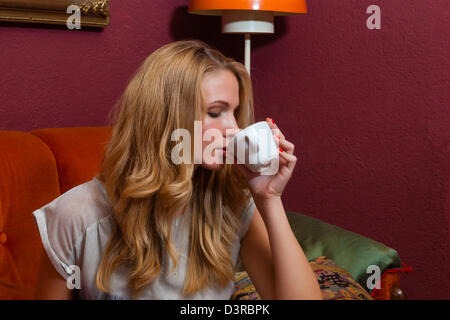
(244, 288)
(335, 283)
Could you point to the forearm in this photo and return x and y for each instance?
(293, 275)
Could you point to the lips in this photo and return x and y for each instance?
(224, 150)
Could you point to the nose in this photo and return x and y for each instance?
(230, 128)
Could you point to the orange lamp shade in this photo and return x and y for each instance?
(277, 7)
(247, 16)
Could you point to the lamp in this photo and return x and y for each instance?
(247, 16)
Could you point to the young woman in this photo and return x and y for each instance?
(148, 228)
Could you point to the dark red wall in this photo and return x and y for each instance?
(366, 109)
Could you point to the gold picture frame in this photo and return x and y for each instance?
(93, 13)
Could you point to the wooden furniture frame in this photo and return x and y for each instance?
(94, 13)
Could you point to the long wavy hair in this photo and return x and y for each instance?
(146, 188)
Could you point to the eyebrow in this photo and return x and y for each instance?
(222, 102)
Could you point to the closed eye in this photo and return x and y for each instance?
(216, 115)
(213, 115)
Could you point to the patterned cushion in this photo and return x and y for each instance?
(243, 288)
(335, 283)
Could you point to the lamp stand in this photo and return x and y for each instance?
(248, 48)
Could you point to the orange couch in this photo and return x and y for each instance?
(38, 166)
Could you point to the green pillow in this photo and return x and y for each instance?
(351, 251)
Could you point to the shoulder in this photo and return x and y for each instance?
(63, 222)
(83, 205)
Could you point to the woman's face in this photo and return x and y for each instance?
(221, 95)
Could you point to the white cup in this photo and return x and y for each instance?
(255, 148)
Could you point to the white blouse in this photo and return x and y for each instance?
(75, 228)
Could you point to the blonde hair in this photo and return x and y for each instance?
(146, 188)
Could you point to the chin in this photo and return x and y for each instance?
(216, 164)
(213, 166)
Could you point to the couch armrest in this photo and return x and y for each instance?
(351, 251)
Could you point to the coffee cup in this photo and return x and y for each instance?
(255, 148)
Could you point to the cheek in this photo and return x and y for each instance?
(213, 126)
(205, 127)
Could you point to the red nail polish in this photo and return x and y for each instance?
(272, 120)
(281, 150)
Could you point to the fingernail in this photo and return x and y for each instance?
(272, 120)
(281, 150)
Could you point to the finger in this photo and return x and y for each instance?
(290, 158)
(282, 161)
(277, 134)
(271, 124)
(284, 145)
(287, 146)
(275, 130)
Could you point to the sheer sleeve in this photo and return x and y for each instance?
(62, 224)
